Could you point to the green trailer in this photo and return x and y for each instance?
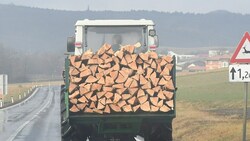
(152, 126)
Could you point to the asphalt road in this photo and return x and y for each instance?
(36, 119)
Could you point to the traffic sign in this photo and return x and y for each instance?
(242, 52)
(239, 73)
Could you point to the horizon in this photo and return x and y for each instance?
(131, 10)
(168, 6)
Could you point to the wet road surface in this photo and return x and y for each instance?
(36, 119)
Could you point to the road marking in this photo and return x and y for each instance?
(12, 137)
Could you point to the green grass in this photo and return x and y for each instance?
(210, 89)
(199, 96)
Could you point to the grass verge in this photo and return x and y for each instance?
(200, 94)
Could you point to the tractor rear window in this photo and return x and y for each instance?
(115, 36)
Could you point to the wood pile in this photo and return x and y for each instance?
(107, 82)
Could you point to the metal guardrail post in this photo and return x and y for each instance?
(1, 103)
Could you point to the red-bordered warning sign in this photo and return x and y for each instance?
(242, 52)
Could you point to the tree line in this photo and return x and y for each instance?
(26, 66)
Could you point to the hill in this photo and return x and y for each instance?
(33, 40)
(45, 29)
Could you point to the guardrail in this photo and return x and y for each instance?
(21, 97)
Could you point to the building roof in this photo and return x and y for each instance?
(219, 57)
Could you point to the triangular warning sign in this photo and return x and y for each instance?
(242, 52)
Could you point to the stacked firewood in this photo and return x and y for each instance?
(123, 81)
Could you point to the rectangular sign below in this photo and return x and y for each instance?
(239, 73)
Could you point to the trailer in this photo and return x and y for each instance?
(80, 121)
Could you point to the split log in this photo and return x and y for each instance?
(143, 80)
(153, 55)
(109, 81)
(131, 101)
(140, 93)
(103, 101)
(72, 87)
(170, 103)
(118, 86)
(126, 96)
(117, 97)
(169, 95)
(115, 108)
(74, 95)
(164, 108)
(74, 71)
(81, 106)
(114, 74)
(88, 95)
(133, 65)
(132, 91)
(150, 92)
(154, 108)
(100, 106)
(93, 98)
(92, 105)
(128, 58)
(122, 103)
(91, 79)
(100, 94)
(74, 109)
(107, 109)
(145, 107)
(147, 86)
(127, 108)
(169, 85)
(98, 111)
(73, 100)
(128, 82)
(121, 90)
(144, 56)
(107, 89)
(83, 90)
(88, 110)
(83, 99)
(78, 64)
(143, 99)
(96, 86)
(154, 100)
(109, 95)
(135, 108)
(161, 95)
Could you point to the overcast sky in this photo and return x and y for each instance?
(192, 6)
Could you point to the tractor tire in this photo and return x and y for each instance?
(161, 132)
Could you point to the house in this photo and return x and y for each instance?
(196, 67)
(217, 62)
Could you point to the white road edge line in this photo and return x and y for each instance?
(12, 137)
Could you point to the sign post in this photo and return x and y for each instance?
(245, 113)
(240, 72)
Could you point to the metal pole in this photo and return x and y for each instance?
(245, 113)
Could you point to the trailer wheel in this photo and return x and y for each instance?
(156, 131)
(161, 132)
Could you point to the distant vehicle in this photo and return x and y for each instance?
(121, 126)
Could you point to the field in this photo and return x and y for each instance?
(209, 108)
